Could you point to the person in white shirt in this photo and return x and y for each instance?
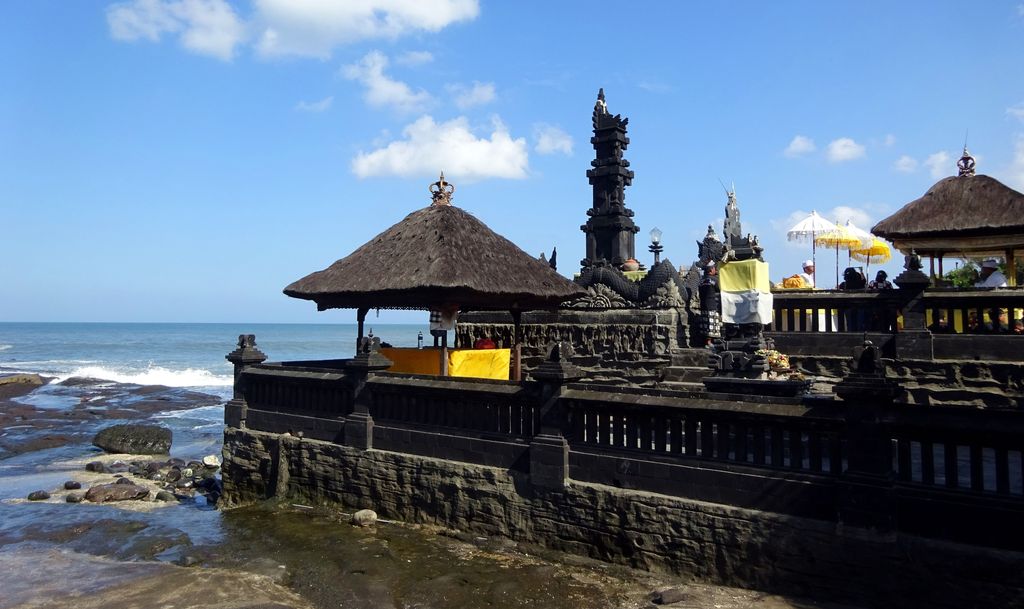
(808, 274)
(990, 276)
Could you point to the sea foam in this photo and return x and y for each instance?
(155, 375)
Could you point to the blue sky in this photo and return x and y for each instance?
(184, 160)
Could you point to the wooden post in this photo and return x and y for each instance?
(360, 318)
(517, 360)
(1011, 268)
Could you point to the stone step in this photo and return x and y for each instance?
(681, 386)
(697, 358)
(686, 374)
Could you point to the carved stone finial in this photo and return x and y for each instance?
(247, 352)
(912, 262)
(441, 191)
(966, 164)
(600, 107)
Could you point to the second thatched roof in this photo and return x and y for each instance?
(968, 213)
(437, 257)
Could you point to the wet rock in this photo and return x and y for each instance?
(364, 518)
(153, 467)
(124, 481)
(194, 465)
(134, 438)
(166, 496)
(211, 461)
(96, 466)
(103, 493)
(176, 462)
(173, 475)
(187, 472)
(38, 496)
(669, 596)
(156, 477)
(72, 485)
(73, 498)
(120, 466)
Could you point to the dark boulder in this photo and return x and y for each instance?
(72, 485)
(165, 496)
(134, 439)
(38, 496)
(96, 466)
(103, 493)
(74, 498)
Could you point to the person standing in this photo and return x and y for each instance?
(990, 276)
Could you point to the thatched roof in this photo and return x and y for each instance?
(436, 257)
(960, 213)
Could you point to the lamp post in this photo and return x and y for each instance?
(655, 246)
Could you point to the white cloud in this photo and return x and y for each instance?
(1015, 173)
(429, 147)
(889, 140)
(905, 164)
(414, 58)
(550, 139)
(858, 216)
(1016, 111)
(317, 106)
(939, 164)
(1020, 10)
(800, 146)
(466, 97)
(380, 89)
(207, 27)
(844, 149)
(315, 27)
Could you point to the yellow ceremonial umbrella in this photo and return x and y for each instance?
(840, 237)
(879, 251)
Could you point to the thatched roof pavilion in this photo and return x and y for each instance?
(967, 215)
(437, 258)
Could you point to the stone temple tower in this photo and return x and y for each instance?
(610, 229)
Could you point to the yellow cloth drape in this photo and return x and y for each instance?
(744, 275)
(470, 363)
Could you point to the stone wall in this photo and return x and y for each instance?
(617, 346)
(948, 382)
(704, 541)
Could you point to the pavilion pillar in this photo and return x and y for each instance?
(549, 450)
(1011, 268)
(247, 354)
(360, 320)
(517, 348)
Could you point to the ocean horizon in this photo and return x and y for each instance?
(174, 354)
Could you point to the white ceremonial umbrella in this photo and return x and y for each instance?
(808, 229)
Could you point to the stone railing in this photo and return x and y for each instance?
(864, 460)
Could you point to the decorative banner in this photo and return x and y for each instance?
(746, 292)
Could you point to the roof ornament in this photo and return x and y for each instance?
(966, 164)
(441, 191)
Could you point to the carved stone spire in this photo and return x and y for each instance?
(610, 230)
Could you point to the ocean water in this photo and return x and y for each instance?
(175, 355)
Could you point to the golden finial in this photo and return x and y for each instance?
(441, 191)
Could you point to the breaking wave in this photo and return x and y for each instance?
(155, 375)
(5, 347)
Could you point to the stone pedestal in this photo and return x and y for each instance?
(358, 428)
(549, 452)
(247, 354)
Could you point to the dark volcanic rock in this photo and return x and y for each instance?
(72, 485)
(166, 496)
(96, 466)
(124, 481)
(135, 439)
(38, 496)
(103, 493)
(74, 498)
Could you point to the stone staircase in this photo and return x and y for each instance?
(687, 368)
